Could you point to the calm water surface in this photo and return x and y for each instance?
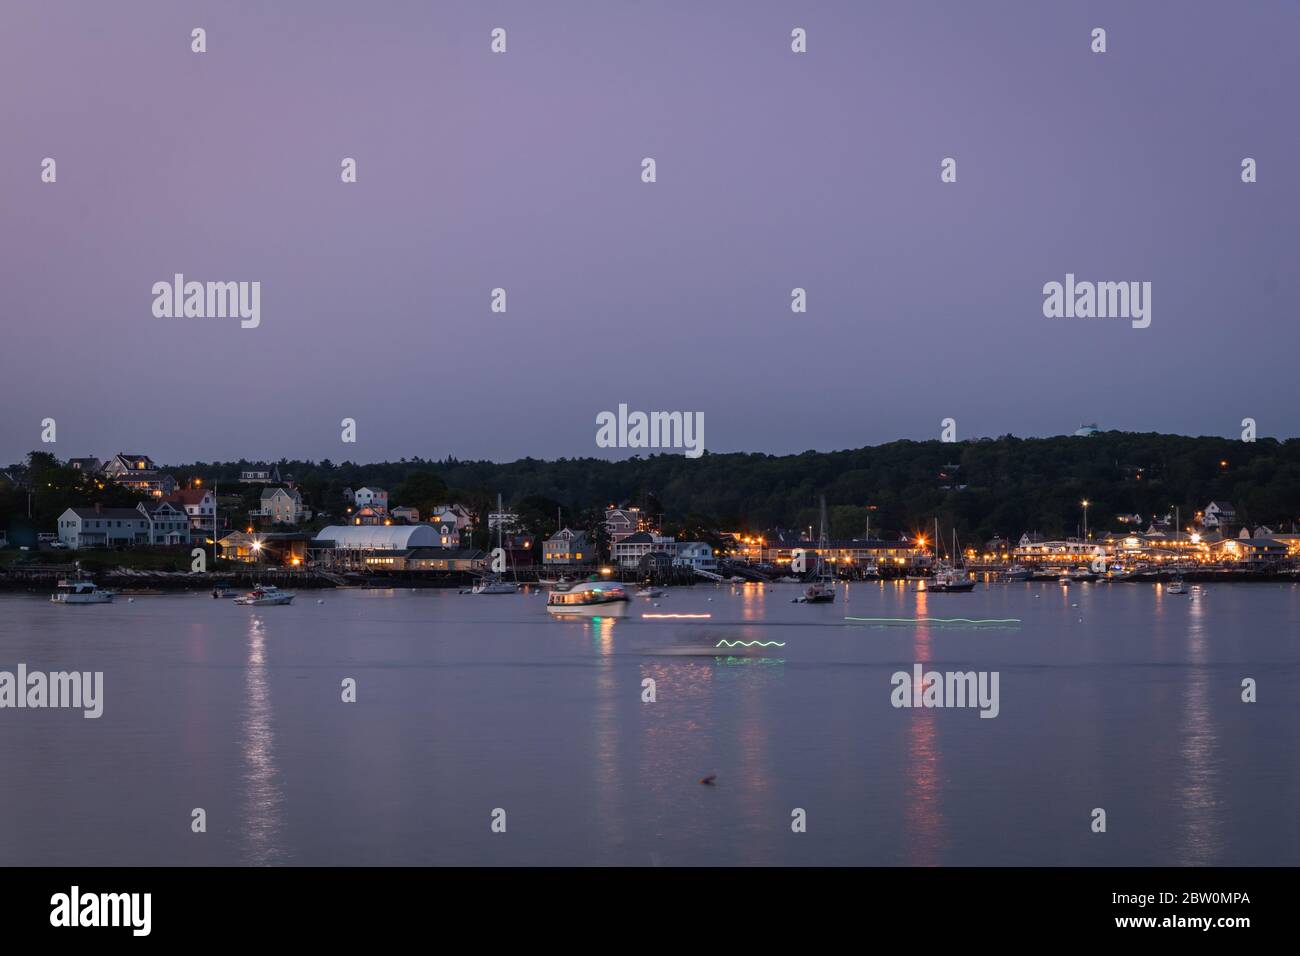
(1113, 696)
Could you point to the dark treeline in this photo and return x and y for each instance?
(986, 487)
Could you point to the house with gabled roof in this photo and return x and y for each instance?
(139, 473)
(283, 506)
(620, 523)
(567, 547)
(376, 498)
(630, 550)
(1219, 513)
(150, 522)
(88, 466)
(199, 505)
(168, 523)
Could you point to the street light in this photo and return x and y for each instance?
(1085, 519)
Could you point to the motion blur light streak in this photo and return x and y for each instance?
(936, 620)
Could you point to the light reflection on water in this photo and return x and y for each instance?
(923, 813)
(262, 795)
(1200, 843)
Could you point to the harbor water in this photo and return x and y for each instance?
(473, 710)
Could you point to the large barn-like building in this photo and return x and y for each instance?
(390, 548)
(379, 537)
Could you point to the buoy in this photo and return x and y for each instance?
(709, 780)
(320, 602)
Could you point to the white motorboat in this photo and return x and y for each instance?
(80, 590)
(589, 599)
(561, 582)
(950, 580)
(494, 584)
(266, 595)
(819, 592)
(1176, 586)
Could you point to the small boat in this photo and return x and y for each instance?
(223, 589)
(822, 589)
(494, 584)
(589, 599)
(651, 592)
(266, 595)
(1083, 574)
(561, 582)
(1176, 586)
(1017, 572)
(80, 590)
(819, 592)
(950, 581)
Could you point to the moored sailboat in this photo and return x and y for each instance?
(495, 583)
(949, 578)
(822, 588)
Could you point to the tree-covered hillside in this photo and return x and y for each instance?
(986, 487)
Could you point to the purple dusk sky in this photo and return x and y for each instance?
(522, 170)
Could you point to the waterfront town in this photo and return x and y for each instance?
(262, 523)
